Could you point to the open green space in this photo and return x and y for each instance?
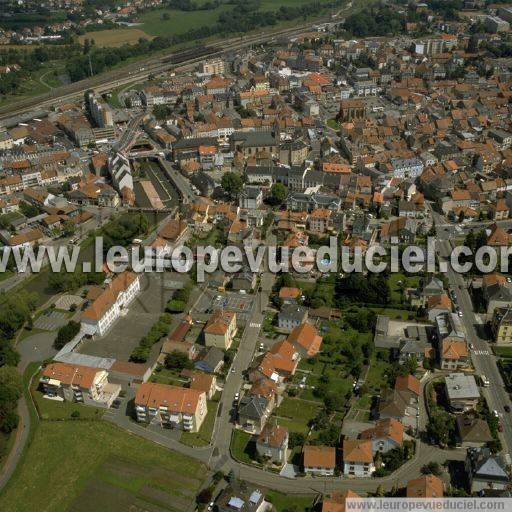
(81, 465)
(503, 351)
(398, 282)
(285, 502)
(242, 448)
(165, 22)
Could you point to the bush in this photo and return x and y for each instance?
(175, 306)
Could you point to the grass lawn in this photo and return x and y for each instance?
(295, 414)
(398, 279)
(503, 351)
(394, 314)
(332, 123)
(203, 437)
(164, 376)
(116, 37)
(54, 410)
(377, 374)
(242, 448)
(95, 461)
(282, 502)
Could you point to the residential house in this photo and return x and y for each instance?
(291, 316)
(486, 472)
(170, 406)
(358, 458)
(240, 498)
(78, 383)
(305, 339)
(253, 412)
(425, 486)
(438, 304)
(272, 443)
(386, 435)
(402, 402)
(501, 326)
(454, 354)
(319, 460)
(472, 431)
(206, 383)
(220, 329)
(289, 295)
(337, 501)
(462, 392)
(210, 361)
(251, 198)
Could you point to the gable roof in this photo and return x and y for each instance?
(306, 336)
(319, 456)
(426, 486)
(357, 450)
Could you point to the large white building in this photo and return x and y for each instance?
(108, 306)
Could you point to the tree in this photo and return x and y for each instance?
(11, 386)
(232, 183)
(278, 194)
(296, 439)
(177, 360)
(66, 333)
(432, 468)
(204, 496)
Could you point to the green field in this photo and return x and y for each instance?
(294, 414)
(82, 466)
(284, 502)
(179, 22)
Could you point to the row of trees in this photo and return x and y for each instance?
(160, 329)
(15, 311)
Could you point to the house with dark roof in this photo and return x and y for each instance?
(253, 412)
(291, 316)
(486, 471)
(472, 431)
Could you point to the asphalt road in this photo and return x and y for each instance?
(484, 361)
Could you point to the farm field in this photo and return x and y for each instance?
(116, 37)
(117, 471)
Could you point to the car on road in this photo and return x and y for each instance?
(233, 370)
(237, 397)
(471, 346)
(460, 313)
(507, 408)
(495, 412)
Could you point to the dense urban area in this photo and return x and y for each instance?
(187, 123)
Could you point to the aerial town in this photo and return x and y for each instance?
(260, 391)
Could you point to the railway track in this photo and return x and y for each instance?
(136, 72)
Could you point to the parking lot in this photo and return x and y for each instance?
(127, 331)
(51, 320)
(211, 301)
